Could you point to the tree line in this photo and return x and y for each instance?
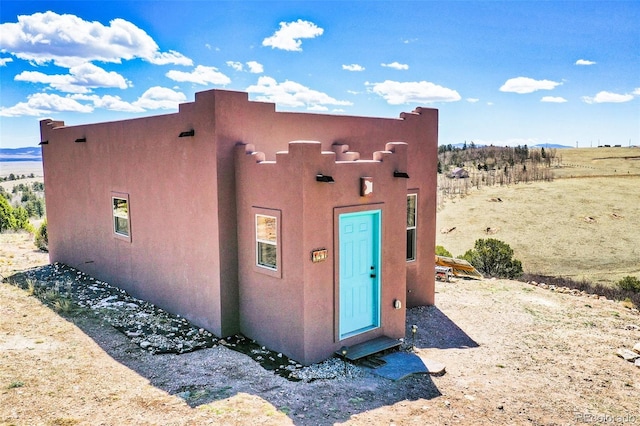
(492, 165)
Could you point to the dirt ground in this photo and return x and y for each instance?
(514, 354)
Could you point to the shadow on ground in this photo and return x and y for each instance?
(218, 374)
(436, 330)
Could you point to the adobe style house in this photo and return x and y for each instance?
(305, 232)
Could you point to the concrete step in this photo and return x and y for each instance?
(370, 347)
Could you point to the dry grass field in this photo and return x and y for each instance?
(583, 225)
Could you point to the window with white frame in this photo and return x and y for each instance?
(412, 205)
(267, 241)
(121, 216)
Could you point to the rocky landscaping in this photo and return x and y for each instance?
(69, 291)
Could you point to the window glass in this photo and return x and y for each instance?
(266, 241)
(412, 200)
(121, 216)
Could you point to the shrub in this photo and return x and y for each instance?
(629, 283)
(7, 219)
(494, 258)
(441, 251)
(42, 239)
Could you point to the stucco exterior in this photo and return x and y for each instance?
(191, 201)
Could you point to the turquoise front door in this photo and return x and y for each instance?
(359, 272)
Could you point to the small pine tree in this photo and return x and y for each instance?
(629, 283)
(494, 258)
(7, 219)
(42, 239)
(441, 251)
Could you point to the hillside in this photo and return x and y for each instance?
(585, 224)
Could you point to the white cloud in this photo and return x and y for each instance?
(81, 79)
(200, 75)
(255, 67)
(472, 100)
(523, 85)
(553, 99)
(112, 103)
(636, 91)
(235, 65)
(585, 62)
(319, 108)
(291, 94)
(67, 41)
(170, 57)
(353, 67)
(5, 61)
(607, 97)
(289, 36)
(396, 66)
(397, 93)
(40, 104)
(160, 98)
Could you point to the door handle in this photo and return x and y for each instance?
(372, 275)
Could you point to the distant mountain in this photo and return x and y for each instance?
(550, 145)
(21, 154)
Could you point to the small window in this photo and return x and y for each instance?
(267, 241)
(121, 216)
(412, 204)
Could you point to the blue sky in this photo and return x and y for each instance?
(502, 73)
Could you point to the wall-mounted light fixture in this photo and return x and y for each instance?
(81, 140)
(187, 133)
(366, 186)
(324, 178)
(44, 143)
(400, 174)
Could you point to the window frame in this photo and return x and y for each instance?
(124, 197)
(277, 244)
(414, 228)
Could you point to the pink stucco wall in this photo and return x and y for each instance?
(183, 252)
(296, 310)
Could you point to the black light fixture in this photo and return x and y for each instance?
(44, 143)
(187, 133)
(81, 140)
(324, 178)
(400, 174)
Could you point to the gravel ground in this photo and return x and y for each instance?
(515, 354)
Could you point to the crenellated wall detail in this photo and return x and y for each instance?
(340, 152)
